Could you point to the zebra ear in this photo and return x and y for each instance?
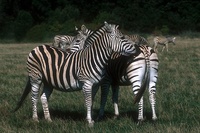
(107, 26)
(117, 26)
(76, 29)
(83, 28)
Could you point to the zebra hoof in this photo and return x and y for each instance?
(140, 122)
(49, 120)
(116, 117)
(91, 124)
(99, 118)
(36, 120)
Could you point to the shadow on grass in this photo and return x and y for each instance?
(65, 115)
(81, 115)
(129, 114)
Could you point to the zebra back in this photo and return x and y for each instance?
(163, 40)
(61, 41)
(139, 40)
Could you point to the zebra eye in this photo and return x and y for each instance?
(77, 40)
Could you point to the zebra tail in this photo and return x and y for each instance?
(142, 89)
(24, 95)
(146, 78)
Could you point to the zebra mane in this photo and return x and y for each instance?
(91, 37)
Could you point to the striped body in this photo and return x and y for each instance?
(139, 40)
(163, 41)
(62, 41)
(131, 71)
(64, 71)
(123, 70)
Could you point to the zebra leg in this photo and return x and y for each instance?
(35, 86)
(87, 90)
(152, 102)
(167, 47)
(155, 47)
(44, 99)
(140, 111)
(115, 92)
(152, 88)
(104, 94)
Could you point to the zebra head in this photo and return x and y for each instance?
(118, 41)
(79, 39)
(171, 40)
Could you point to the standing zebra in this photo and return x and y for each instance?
(139, 40)
(130, 71)
(163, 41)
(72, 71)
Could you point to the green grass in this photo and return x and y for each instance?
(178, 101)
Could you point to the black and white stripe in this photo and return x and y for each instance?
(64, 71)
(129, 70)
(139, 40)
(62, 41)
(79, 39)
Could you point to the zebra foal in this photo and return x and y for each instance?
(139, 40)
(65, 71)
(163, 41)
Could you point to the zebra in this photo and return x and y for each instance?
(130, 71)
(163, 41)
(131, 74)
(65, 71)
(139, 40)
(79, 40)
(61, 41)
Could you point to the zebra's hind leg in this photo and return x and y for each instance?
(35, 86)
(140, 112)
(153, 102)
(44, 99)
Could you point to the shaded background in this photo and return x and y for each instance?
(40, 20)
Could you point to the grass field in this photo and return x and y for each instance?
(178, 97)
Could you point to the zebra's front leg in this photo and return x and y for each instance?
(104, 94)
(87, 90)
(115, 92)
(140, 111)
(44, 99)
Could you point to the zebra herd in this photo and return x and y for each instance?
(104, 58)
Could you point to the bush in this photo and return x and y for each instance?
(37, 33)
(22, 24)
(165, 30)
(104, 16)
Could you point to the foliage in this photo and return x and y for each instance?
(141, 16)
(22, 24)
(37, 33)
